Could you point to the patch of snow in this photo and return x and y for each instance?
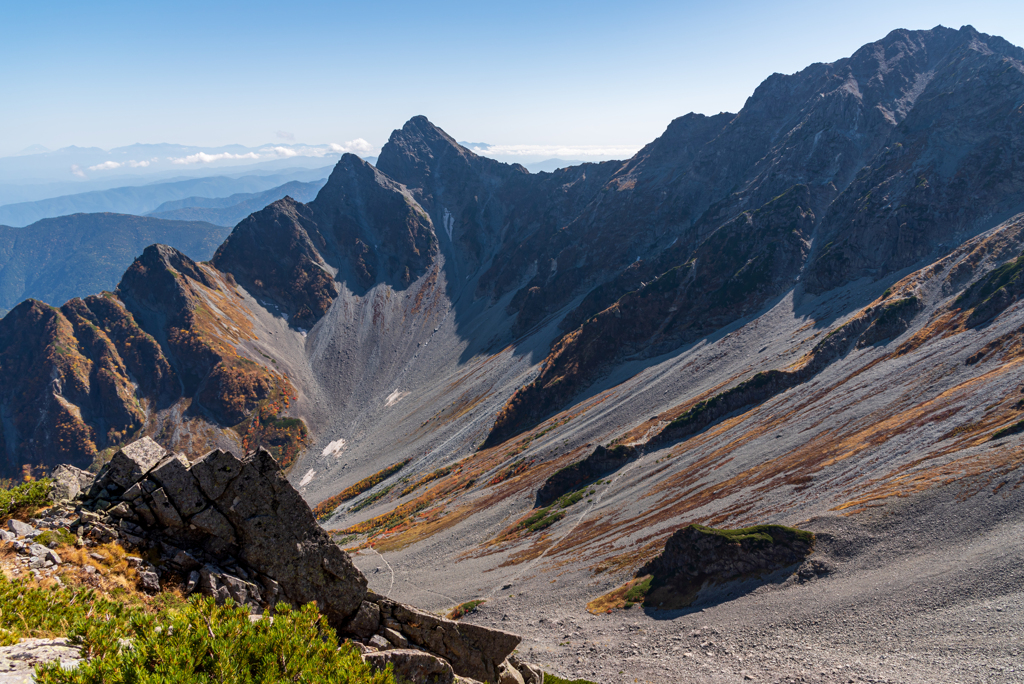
(307, 478)
(395, 397)
(334, 448)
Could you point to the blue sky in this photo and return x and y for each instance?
(550, 74)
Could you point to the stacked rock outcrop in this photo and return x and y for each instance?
(235, 528)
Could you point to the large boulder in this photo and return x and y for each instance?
(415, 667)
(131, 463)
(68, 482)
(278, 535)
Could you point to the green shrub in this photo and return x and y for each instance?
(198, 642)
(552, 679)
(464, 609)
(638, 591)
(24, 497)
(62, 536)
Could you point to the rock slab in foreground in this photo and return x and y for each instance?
(473, 651)
(412, 665)
(18, 661)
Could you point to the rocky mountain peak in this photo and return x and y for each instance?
(154, 279)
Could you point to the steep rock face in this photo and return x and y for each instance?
(273, 253)
(952, 165)
(753, 257)
(817, 128)
(39, 360)
(168, 291)
(459, 189)
(363, 228)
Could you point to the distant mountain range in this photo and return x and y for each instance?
(152, 160)
(143, 199)
(56, 259)
(227, 211)
(551, 165)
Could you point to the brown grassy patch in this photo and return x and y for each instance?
(617, 598)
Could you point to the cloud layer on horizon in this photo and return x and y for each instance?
(561, 151)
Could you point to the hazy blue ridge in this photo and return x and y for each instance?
(143, 199)
(56, 259)
(228, 211)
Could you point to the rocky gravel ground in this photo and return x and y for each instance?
(922, 589)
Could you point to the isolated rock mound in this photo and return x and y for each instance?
(601, 462)
(696, 555)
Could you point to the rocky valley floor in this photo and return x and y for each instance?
(923, 589)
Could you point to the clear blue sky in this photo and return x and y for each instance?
(539, 73)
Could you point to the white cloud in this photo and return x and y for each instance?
(283, 152)
(76, 170)
(108, 165)
(204, 158)
(563, 151)
(285, 135)
(357, 146)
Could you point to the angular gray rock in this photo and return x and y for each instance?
(212, 522)
(507, 674)
(18, 661)
(215, 471)
(237, 529)
(68, 482)
(365, 622)
(278, 535)
(379, 642)
(532, 674)
(19, 528)
(164, 510)
(413, 666)
(396, 639)
(149, 581)
(131, 463)
(472, 650)
(175, 478)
